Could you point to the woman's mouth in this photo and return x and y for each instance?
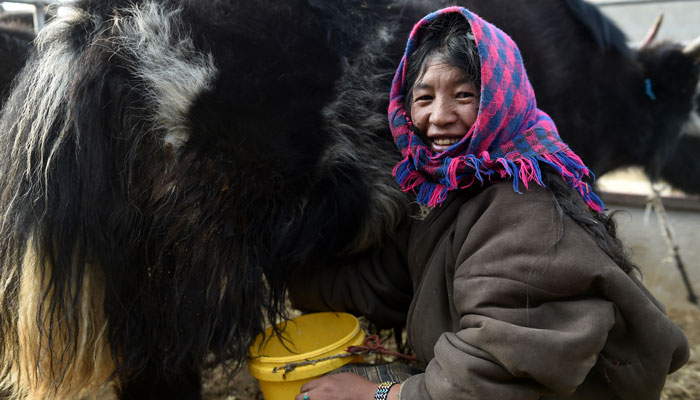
(446, 142)
(441, 144)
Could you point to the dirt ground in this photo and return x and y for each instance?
(684, 384)
(681, 385)
(243, 386)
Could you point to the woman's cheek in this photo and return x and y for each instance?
(419, 117)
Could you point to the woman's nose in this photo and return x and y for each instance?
(443, 112)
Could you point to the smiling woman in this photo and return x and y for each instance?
(504, 293)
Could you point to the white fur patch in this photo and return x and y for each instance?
(47, 88)
(175, 73)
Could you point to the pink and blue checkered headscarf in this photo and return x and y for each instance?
(509, 139)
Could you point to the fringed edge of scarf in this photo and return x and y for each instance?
(464, 171)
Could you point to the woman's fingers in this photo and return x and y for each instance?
(305, 388)
(344, 386)
(303, 396)
(309, 386)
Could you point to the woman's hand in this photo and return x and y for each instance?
(345, 386)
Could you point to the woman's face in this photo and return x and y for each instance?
(445, 104)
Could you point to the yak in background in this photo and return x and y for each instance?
(164, 165)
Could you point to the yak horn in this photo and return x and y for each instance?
(653, 31)
(693, 50)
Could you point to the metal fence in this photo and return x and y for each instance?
(603, 3)
(39, 10)
(40, 5)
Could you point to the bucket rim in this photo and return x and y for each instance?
(311, 354)
(262, 367)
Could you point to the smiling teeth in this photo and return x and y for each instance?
(445, 142)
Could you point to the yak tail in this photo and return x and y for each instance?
(49, 354)
(53, 329)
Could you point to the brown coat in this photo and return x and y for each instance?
(503, 300)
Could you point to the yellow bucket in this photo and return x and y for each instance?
(310, 337)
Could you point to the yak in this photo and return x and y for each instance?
(165, 164)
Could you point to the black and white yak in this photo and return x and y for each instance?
(164, 164)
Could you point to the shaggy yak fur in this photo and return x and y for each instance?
(165, 164)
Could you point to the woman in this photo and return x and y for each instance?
(505, 293)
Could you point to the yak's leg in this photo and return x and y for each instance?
(152, 385)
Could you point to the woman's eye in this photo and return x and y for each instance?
(464, 95)
(424, 97)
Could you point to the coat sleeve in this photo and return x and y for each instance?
(375, 284)
(544, 312)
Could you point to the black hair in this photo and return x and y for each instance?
(449, 37)
(601, 226)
